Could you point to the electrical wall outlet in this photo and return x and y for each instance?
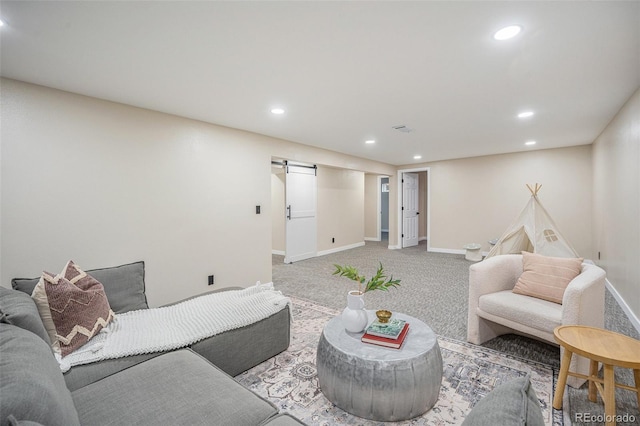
(210, 279)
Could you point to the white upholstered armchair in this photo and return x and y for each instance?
(495, 310)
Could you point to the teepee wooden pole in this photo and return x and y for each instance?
(530, 189)
(534, 191)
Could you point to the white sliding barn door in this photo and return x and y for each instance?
(410, 223)
(301, 208)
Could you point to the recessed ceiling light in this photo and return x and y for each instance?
(417, 157)
(530, 143)
(277, 111)
(1, 23)
(370, 141)
(507, 32)
(525, 114)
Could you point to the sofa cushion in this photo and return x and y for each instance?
(512, 403)
(228, 350)
(81, 375)
(536, 313)
(18, 308)
(79, 310)
(177, 387)
(124, 286)
(546, 277)
(31, 383)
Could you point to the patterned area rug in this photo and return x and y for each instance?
(470, 372)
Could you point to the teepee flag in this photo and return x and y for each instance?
(533, 231)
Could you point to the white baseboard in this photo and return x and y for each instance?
(450, 251)
(324, 252)
(632, 317)
(338, 249)
(454, 251)
(371, 239)
(384, 230)
(394, 247)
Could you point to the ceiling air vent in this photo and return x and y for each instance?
(402, 128)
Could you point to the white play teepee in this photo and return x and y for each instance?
(533, 231)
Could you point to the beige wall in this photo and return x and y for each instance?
(475, 199)
(371, 212)
(616, 203)
(104, 184)
(340, 208)
(306, 154)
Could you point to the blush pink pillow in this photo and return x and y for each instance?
(546, 277)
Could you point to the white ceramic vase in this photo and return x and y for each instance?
(354, 317)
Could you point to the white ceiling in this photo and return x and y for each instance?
(345, 71)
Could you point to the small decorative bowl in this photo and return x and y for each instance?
(383, 316)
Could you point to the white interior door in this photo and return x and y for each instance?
(410, 197)
(301, 209)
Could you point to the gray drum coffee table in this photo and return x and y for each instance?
(376, 382)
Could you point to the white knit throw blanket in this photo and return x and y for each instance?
(177, 326)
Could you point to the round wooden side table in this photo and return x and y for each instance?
(599, 346)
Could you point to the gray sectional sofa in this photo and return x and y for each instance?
(187, 386)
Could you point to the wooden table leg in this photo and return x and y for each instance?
(609, 395)
(562, 379)
(636, 378)
(593, 372)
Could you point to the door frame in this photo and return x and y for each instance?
(379, 207)
(399, 206)
(411, 209)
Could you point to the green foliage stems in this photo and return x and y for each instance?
(378, 282)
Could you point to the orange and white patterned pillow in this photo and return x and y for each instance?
(73, 307)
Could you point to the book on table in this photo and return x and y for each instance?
(390, 330)
(385, 341)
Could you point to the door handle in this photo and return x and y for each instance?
(289, 212)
